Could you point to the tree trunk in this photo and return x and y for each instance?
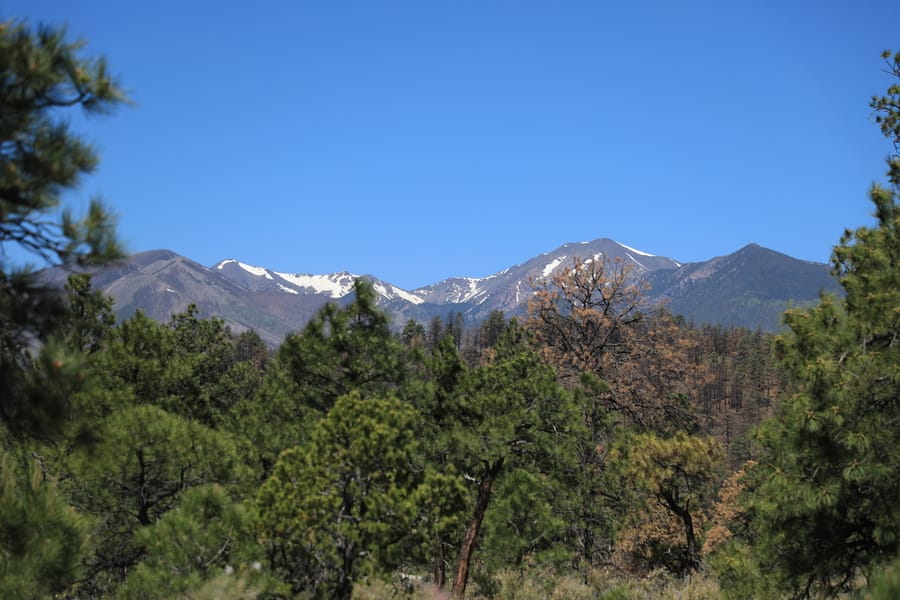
(587, 544)
(440, 569)
(692, 562)
(468, 545)
(690, 539)
(344, 586)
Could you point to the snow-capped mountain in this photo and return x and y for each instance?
(258, 279)
(333, 285)
(274, 303)
(510, 289)
(507, 290)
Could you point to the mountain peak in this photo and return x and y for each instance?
(749, 287)
(761, 252)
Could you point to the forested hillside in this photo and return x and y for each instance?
(592, 448)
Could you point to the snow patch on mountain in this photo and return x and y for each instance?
(551, 266)
(474, 289)
(336, 285)
(285, 288)
(408, 296)
(258, 271)
(456, 290)
(636, 261)
(395, 292)
(635, 250)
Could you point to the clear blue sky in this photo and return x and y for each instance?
(421, 140)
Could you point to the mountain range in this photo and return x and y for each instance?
(750, 288)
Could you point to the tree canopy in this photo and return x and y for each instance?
(825, 512)
(42, 77)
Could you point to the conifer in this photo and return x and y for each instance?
(826, 510)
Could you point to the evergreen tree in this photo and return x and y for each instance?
(189, 367)
(436, 332)
(41, 76)
(525, 528)
(455, 328)
(206, 536)
(341, 350)
(491, 329)
(826, 511)
(268, 421)
(413, 334)
(348, 501)
(90, 315)
(509, 414)
(439, 405)
(42, 539)
(204, 348)
(143, 460)
(676, 473)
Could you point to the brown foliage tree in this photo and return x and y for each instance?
(632, 365)
(592, 317)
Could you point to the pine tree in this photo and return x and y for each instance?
(90, 318)
(413, 334)
(509, 414)
(439, 406)
(41, 77)
(348, 500)
(41, 538)
(142, 462)
(206, 535)
(677, 474)
(827, 511)
(341, 350)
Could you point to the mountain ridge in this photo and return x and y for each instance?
(749, 287)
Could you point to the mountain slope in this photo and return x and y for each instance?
(750, 288)
(510, 289)
(162, 283)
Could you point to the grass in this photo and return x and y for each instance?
(519, 585)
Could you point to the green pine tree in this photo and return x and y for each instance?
(349, 500)
(507, 414)
(344, 349)
(206, 536)
(42, 76)
(135, 472)
(826, 511)
(676, 473)
(42, 539)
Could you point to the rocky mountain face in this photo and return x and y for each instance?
(162, 283)
(750, 287)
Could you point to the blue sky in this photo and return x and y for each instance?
(421, 140)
